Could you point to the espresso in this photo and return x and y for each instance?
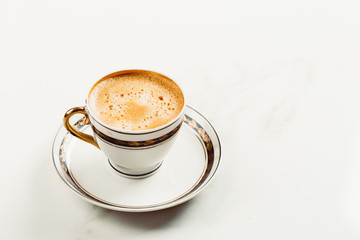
(136, 101)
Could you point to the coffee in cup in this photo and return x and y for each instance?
(136, 101)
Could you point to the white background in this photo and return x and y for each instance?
(278, 79)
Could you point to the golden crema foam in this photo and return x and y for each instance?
(136, 101)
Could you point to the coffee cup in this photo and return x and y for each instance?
(135, 116)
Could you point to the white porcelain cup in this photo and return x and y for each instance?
(133, 153)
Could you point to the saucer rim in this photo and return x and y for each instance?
(183, 197)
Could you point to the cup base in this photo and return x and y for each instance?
(131, 174)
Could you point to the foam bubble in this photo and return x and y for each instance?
(136, 101)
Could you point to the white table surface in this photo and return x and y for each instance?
(278, 79)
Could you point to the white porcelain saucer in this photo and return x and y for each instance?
(187, 169)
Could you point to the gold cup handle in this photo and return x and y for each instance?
(83, 136)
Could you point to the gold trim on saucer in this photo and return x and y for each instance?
(193, 121)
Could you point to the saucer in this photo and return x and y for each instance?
(186, 170)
